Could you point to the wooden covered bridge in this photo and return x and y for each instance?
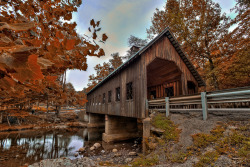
(160, 69)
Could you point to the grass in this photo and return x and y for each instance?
(171, 131)
(234, 145)
(207, 159)
(143, 161)
(179, 157)
(202, 140)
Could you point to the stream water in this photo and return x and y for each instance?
(27, 147)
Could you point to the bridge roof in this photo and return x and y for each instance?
(177, 47)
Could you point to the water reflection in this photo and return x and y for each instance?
(17, 149)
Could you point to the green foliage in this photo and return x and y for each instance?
(143, 161)
(171, 132)
(202, 140)
(179, 157)
(207, 159)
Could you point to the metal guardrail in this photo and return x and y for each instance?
(203, 102)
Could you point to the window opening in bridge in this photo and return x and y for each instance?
(169, 91)
(118, 95)
(191, 87)
(153, 94)
(129, 91)
(103, 98)
(100, 99)
(109, 96)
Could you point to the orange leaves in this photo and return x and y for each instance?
(82, 101)
(70, 44)
(92, 23)
(16, 26)
(34, 53)
(51, 78)
(34, 67)
(59, 35)
(34, 42)
(104, 37)
(101, 52)
(7, 83)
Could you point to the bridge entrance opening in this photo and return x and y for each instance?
(163, 79)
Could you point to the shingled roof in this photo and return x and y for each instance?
(177, 47)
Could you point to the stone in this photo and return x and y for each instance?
(117, 155)
(97, 145)
(76, 154)
(157, 130)
(135, 145)
(82, 149)
(98, 159)
(127, 160)
(132, 153)
(103, 151)
(92, 148)
(114, 150)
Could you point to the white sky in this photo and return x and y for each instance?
(119, 20)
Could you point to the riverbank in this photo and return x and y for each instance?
(188, 141)
(19, 120)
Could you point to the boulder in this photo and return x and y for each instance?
(157, 130)
(127, 160)
(82, 149)
(97, 145)
(92, 148)
(114, 150)
(132, 153)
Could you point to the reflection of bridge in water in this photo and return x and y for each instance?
(16, 149)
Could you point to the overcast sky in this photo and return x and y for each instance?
(119, 20)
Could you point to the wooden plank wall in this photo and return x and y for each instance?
(128, 108)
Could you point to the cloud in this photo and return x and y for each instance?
(119, 20)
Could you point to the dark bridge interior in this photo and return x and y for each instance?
(163, 79)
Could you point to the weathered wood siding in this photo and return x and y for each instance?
(136, 73)
(124, 107)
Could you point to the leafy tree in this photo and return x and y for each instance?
(104, 70)
(200, 27)
(38, 43)
(134, 41)
(235, 67)
(116, 60)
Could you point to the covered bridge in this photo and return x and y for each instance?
(159, 69)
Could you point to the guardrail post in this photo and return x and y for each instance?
(167, 106)
(204, 105)
(146, 103)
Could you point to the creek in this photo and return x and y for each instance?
(27, 147)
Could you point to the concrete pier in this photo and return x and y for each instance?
(119, 128)
(96, 120)
(146, 133)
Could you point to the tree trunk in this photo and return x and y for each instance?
(215, 81)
